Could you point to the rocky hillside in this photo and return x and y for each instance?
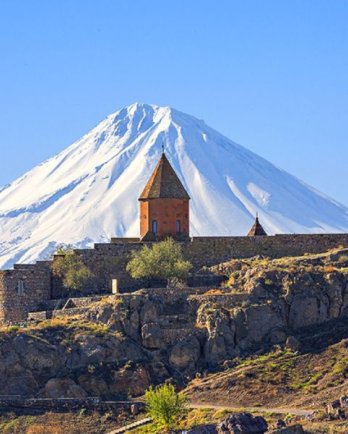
(280, 378)
(124, 343)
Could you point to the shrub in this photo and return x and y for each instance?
(164, 260)
(13, 328)
(328, 269)
(342, 259)
(229, 282)
(215, 292)
(71, 269)
(165, 406)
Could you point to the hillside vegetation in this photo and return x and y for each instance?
(275, 335)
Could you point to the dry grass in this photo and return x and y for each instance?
(59, 423)
(63, 329)
(215, 292)
(278, 378)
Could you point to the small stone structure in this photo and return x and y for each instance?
(23, 289)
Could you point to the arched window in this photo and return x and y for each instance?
(154, 226)
(20, 287)
(178, 227)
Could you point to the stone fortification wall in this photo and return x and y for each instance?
(108, 261)
(22, 290)
(213, 250)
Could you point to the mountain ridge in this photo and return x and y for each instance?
(88, 192)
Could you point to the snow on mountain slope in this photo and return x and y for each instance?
(89, 192)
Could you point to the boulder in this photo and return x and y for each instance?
(149, 313)
(293, 429)
(277, 336)
(62, 388)
(215, 350)
(292, 344)
(129, 382)
(220, 343)
(93, 385)
(260, 320)
(305, 311)
(131, 327)
(203, 429)
(344, 401)
(242, 423)
(185, 355)
(259, 292)
(152, 336)
(24, 384)
(36, 355)
(280, 424)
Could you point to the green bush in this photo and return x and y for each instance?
(71, 269)
(165, 406)
(164, 260)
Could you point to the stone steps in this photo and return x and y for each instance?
(131, 426)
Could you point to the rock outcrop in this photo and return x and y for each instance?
(242, 423)
(125, 342)
(293, 429)
(203, 429)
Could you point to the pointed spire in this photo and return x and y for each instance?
(256, 229)
(164, 183)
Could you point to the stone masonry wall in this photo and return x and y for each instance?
(22, 289)
(213, 250)
(108, 261)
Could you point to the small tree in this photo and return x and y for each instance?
(165, 406)
(70, 268)
(164, 260)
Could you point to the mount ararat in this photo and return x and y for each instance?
(88, 192)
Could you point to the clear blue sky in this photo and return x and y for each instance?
(270, 74)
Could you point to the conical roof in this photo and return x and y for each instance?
(164, 183)
(256, 229)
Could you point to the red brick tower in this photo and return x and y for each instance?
(164, 205)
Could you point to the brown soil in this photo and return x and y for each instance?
(61, 423)
(278, 379)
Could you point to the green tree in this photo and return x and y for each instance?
(165, 406)
(70, 268)
(164, 260)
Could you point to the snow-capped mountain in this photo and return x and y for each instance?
(89, 192)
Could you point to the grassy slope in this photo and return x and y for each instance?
(279, 378)
(308, 379)
(59, 423)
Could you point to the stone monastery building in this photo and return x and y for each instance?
(164, 211)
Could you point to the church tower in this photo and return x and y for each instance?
(164, 205)
(257, 230)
